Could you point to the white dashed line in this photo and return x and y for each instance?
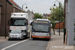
(14, 44)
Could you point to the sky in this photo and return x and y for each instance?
(38, 6)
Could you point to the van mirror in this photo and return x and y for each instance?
(31, 23)
(9, 30)
(25, 23)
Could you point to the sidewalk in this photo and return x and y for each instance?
(2, 38)
(56, 43)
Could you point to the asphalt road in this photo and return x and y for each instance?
(25, 44)
(29, 44)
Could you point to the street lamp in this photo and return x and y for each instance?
(64, 23)
(23, 5)
(59, 13)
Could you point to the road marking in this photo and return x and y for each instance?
(48, 46)
(14, 44)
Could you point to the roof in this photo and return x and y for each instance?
(19, 15)
(14, 3)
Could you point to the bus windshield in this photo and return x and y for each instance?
(17, 22)
(40, 27)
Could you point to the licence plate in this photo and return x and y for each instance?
(14, 36)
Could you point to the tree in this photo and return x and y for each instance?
(37, 15)
(55, 13)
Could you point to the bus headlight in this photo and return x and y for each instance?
(47, 34)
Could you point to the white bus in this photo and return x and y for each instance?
(41, 28)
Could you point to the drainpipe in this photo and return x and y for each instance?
(5, 16)
(64, 22)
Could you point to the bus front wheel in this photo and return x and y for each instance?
(33, 38)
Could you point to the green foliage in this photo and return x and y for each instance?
(53, 23)
(37, 15)
(55, 13)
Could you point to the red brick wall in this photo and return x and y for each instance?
(57, 25)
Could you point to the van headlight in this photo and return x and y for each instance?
(20, 35)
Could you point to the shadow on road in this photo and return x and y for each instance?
(39, 39)
(17, 39)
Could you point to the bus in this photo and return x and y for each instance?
(41, 28)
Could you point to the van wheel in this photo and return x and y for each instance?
(26, 36)
(9, 39)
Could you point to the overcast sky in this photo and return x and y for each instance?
(38, 6)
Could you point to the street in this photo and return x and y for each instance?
(29, 44)
(25, 44)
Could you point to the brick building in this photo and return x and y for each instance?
(6, 8)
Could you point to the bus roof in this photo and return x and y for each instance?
(43, 20)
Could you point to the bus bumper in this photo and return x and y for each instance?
(43, 37)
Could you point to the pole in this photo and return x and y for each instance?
(5, 17)
(64, 24)
(53, 20)
(22, 7)
(59, 18)
(59, 15)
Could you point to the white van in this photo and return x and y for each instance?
(18, 21)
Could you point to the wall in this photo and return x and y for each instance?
(70, 21)
(5, 16)
(57, 25)
(3, 2)
(9, 11)
(29, 15)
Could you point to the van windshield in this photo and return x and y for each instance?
(17, 22)
(40, 27)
